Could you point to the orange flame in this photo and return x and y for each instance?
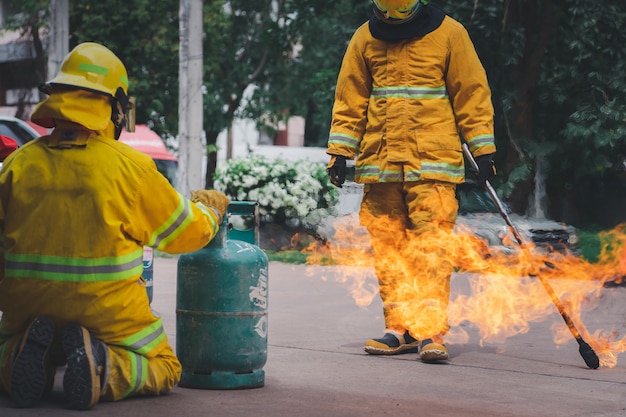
(497, 293)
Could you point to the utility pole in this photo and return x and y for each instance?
(229, 142)
(58, 35)
(190, 107)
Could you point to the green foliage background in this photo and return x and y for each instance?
(556, 68)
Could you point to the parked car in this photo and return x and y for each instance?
(479, 213)
(149, 142)
(17, 129)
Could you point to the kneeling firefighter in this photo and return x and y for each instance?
(76, 209)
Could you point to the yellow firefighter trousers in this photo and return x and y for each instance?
(409, 224)
(161, 374)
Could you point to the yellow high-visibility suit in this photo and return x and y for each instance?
(76, 209)
(405, 93)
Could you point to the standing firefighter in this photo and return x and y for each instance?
(76, 209)
(410, 84)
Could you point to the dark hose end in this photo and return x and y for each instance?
(590, 357)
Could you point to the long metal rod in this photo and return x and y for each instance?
(590, 357)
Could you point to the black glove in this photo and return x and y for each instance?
(486, 168)
(337, 170)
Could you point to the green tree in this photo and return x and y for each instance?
(242, 41)
(303, 83)
(269, 60)
(556, 70)
(586, 82)
(144, 34)
(28, 17)
(555, 66)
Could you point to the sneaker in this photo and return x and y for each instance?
(30, 373)
(392, 343)
(432, 351)
(86, 362)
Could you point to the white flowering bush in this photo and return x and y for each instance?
(286, 191)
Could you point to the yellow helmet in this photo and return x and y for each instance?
(92, 67)
(397, 11)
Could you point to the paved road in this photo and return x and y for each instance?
(316, 366)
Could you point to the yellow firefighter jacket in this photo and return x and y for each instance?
(76, 210)
(401, 106)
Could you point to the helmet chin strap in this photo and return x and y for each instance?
(118, 118)
(119, 107)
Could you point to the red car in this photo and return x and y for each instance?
(17, 129)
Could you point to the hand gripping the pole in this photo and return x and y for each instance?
(337, 170)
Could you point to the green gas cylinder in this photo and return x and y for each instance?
(221, 314)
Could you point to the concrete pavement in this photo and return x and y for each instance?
(316, 365)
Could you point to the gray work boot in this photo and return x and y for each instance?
(84, 377)
(31, 375)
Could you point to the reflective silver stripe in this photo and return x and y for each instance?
(367, 171)
(207, 209)
(480, 141)
(393, 176)
(53, 268)
(446, 169)
(175, 225)
(410, 92)
(73, 269)
(139, 376)
(413, 175)
(343, 139)
(141, 344)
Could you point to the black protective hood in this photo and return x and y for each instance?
(428, 19)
